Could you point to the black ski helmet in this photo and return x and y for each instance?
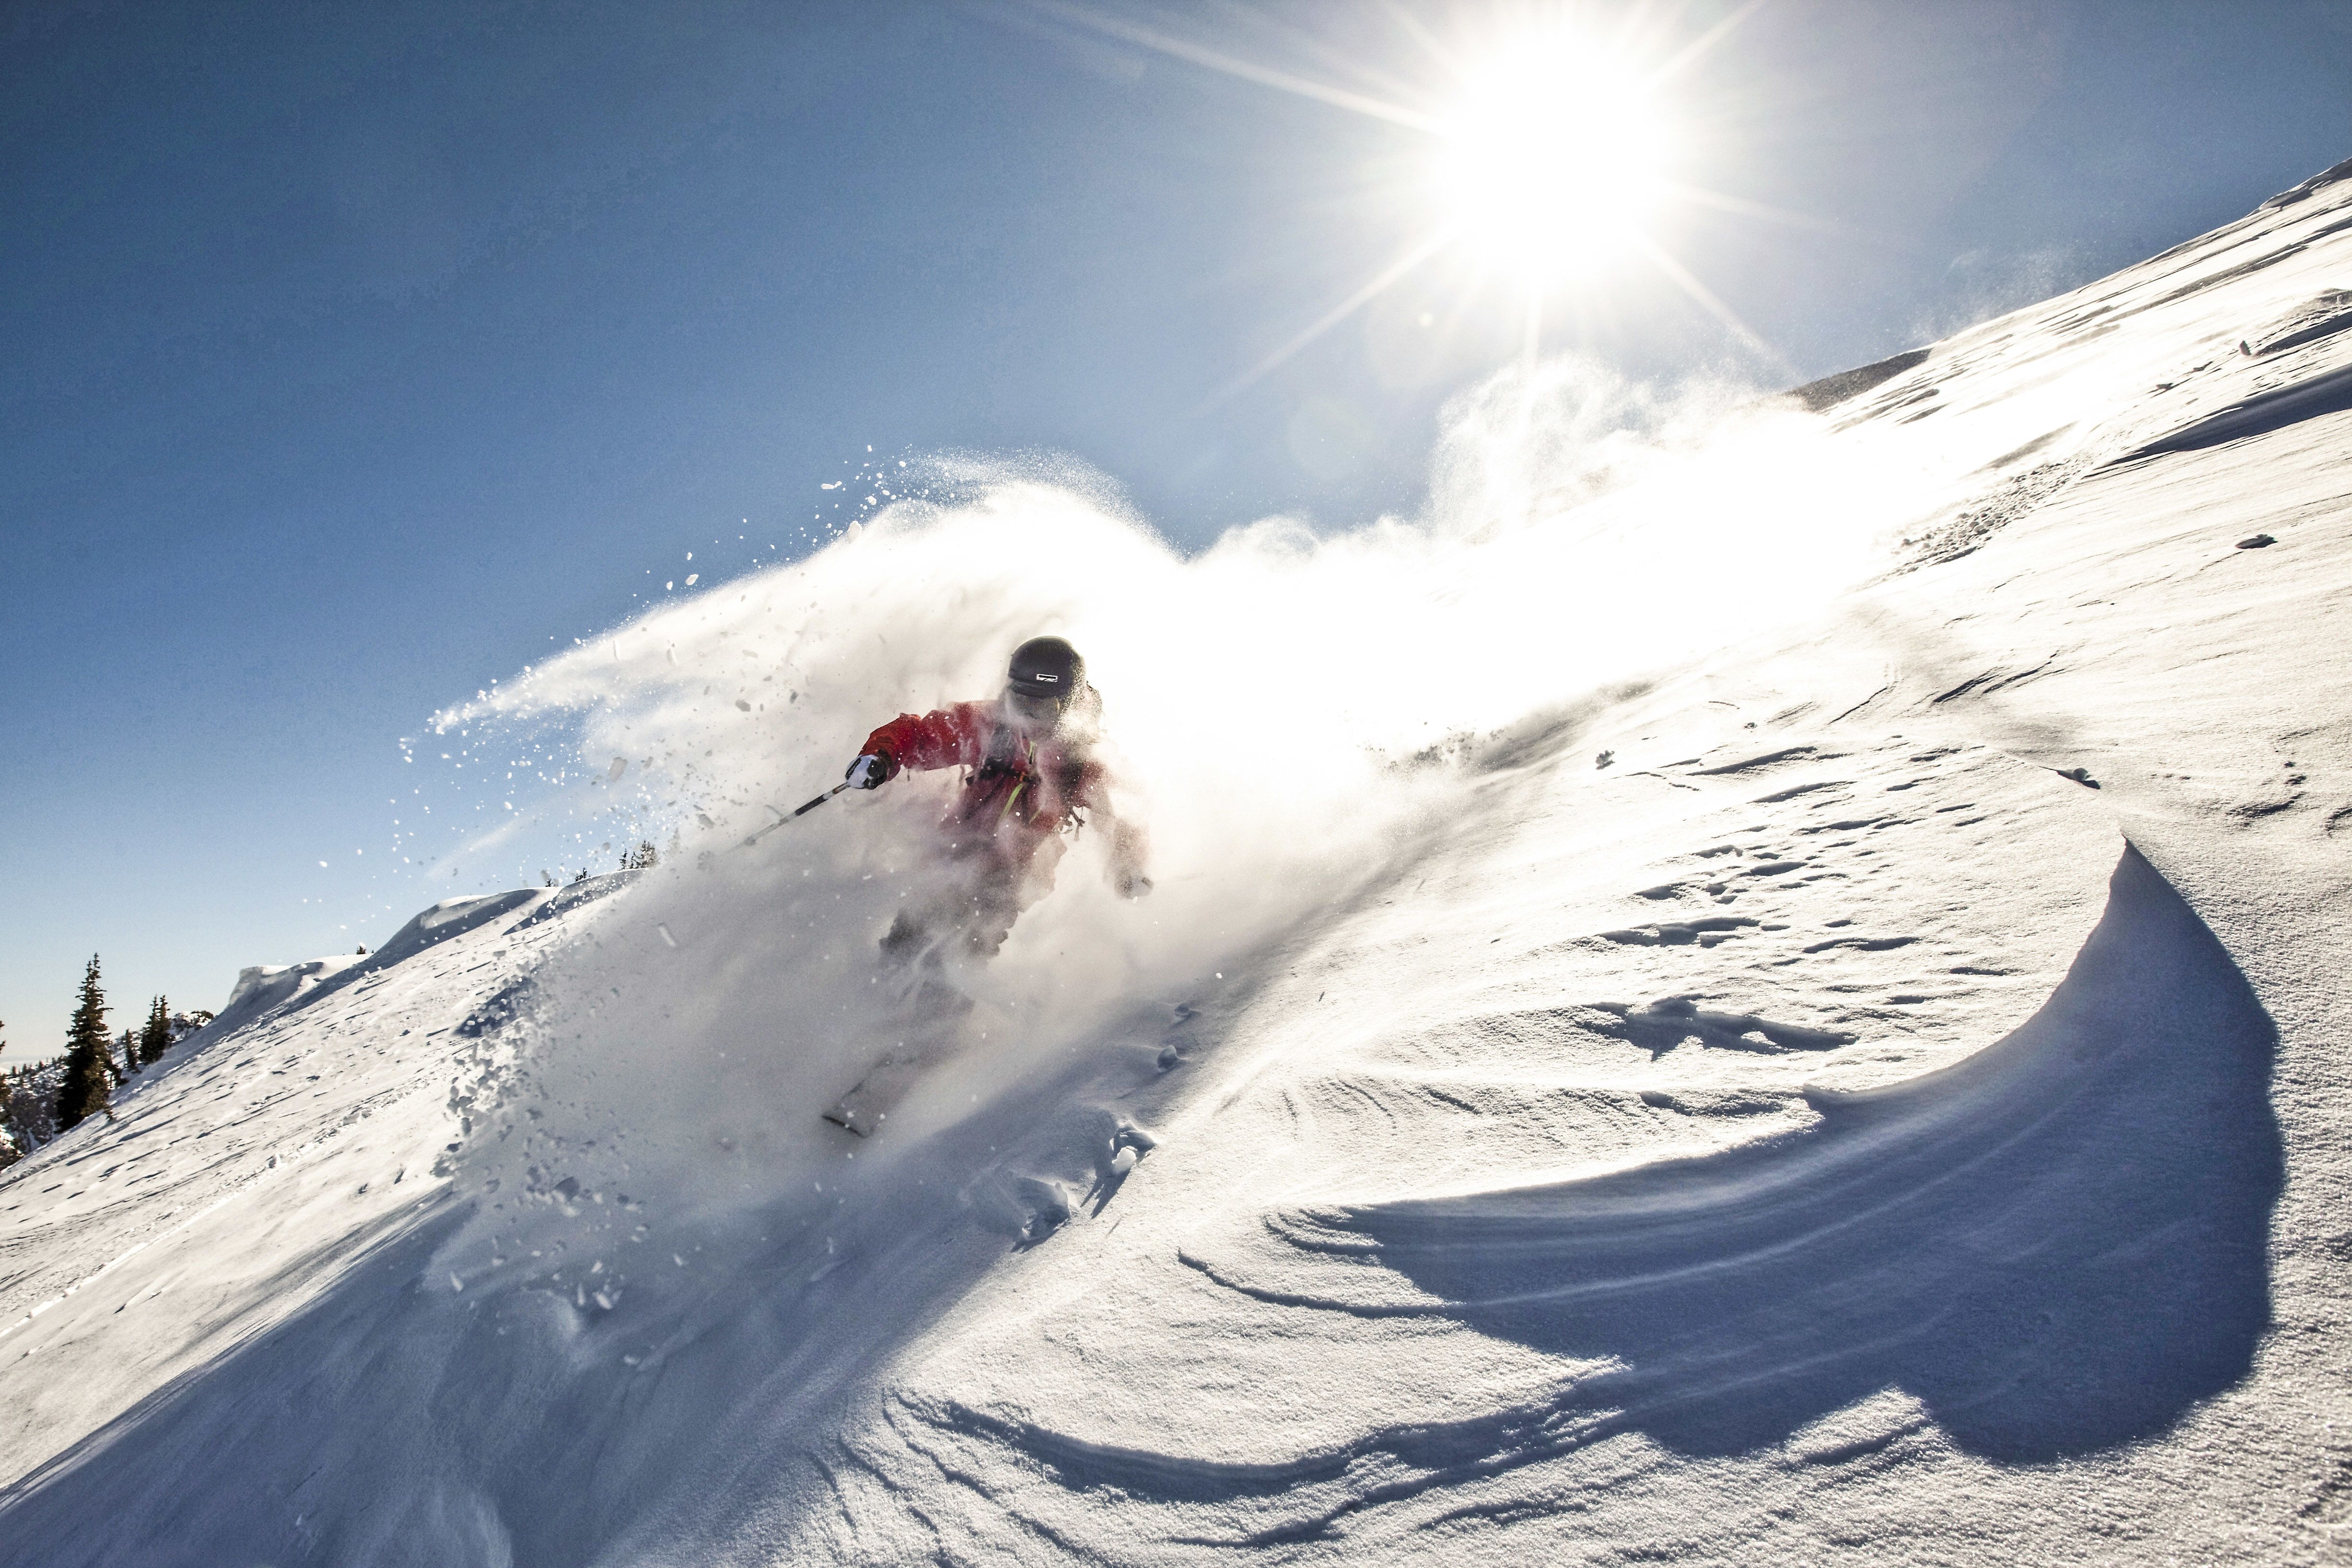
(1047, 670)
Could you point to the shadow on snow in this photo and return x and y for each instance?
(2058, 1245)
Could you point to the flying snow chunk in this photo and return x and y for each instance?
(692, 578)
(620, 765)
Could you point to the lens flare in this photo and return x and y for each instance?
(1555, 150)
(1551, 158)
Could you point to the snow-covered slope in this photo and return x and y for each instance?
(1871, 1091)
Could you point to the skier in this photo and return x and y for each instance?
(1034, 777)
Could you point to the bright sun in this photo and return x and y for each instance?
(1546, 165)
(1552, 159)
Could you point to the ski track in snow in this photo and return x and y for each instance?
(1873, 1091)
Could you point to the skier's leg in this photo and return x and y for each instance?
(909, 935)
(994, 905)
(967, 908)
(931, 915)
(1018, 874)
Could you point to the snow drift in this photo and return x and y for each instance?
(2056, 1245)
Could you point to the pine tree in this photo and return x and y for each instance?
(130, 1055)
(156, 1035)
(85, 1092)
(28, 1103)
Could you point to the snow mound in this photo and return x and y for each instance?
(264, 987)
(2055, 1246)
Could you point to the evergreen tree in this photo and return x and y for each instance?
(85, 1092)
(156, 1035)
(129, 1057)
(28, 1103)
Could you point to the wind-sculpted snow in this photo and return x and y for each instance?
(2329, 391)
(2057, 1245)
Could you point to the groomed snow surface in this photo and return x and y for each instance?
(1768, 985)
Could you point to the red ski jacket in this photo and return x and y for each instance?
(1019, 787)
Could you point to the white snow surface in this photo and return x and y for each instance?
(1763, 986)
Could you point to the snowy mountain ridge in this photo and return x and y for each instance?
(1858, 1077)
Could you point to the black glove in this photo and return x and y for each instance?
(868, 772)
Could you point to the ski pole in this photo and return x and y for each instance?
(798, 811)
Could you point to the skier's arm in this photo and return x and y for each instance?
(946, 738)
(1130, 845)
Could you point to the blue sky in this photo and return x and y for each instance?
(358, 355)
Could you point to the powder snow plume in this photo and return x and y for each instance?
(1288, 709)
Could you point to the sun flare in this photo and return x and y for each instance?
(1554, 150)
(1552, 159)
